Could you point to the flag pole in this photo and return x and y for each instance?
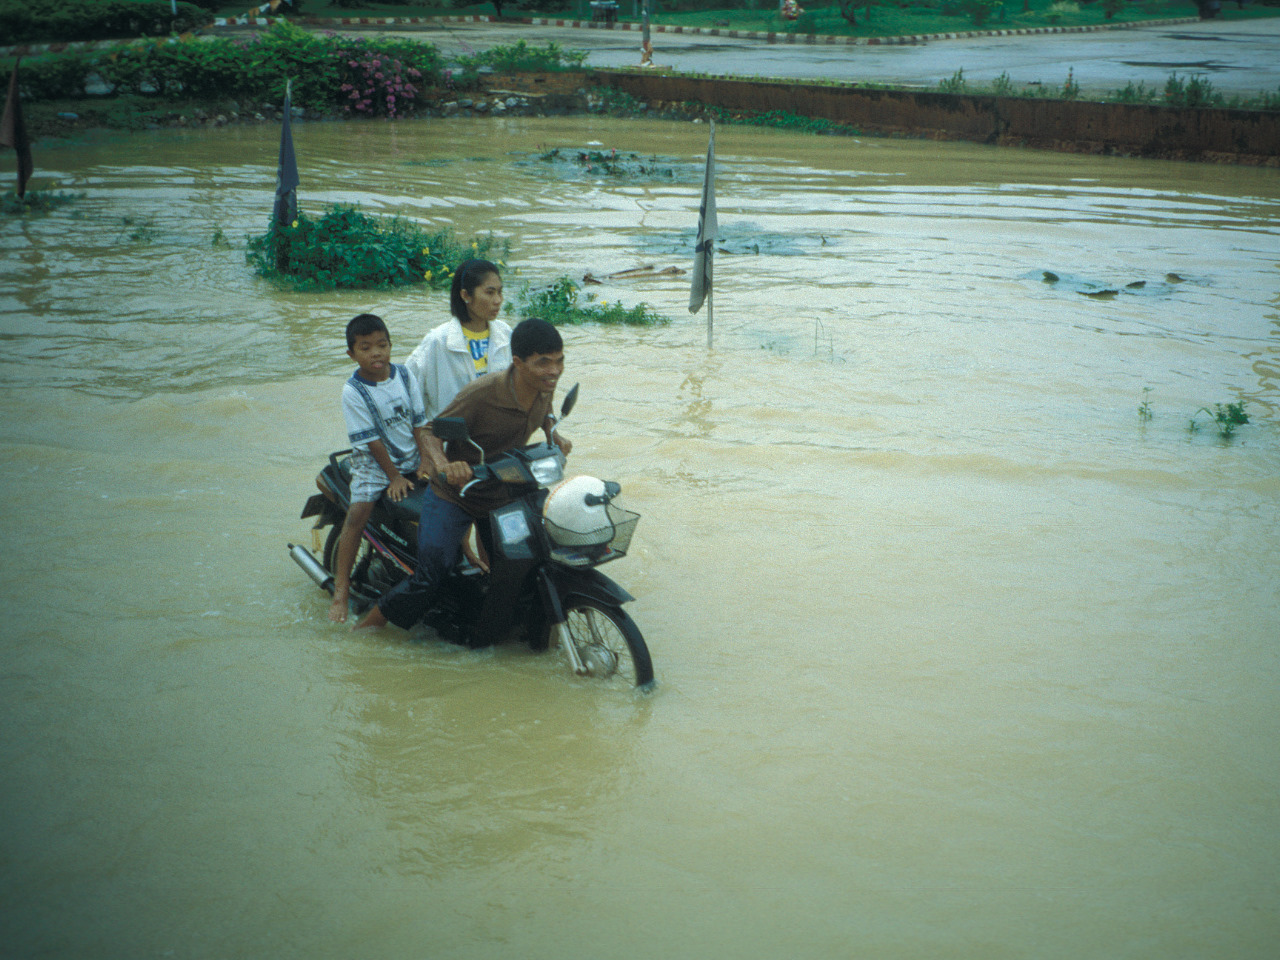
(710, 314)
(700, 287)
(13, 132)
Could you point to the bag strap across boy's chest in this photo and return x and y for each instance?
(378, 423)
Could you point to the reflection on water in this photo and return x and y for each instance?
(954, 648)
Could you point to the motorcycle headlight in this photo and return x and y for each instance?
(547, 470)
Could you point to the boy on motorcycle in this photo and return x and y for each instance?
(502, 412)
(387, 427)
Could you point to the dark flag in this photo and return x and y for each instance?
(287, 171)
(703, 249)
(13, 132)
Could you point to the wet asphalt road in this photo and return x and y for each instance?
(1238, 58)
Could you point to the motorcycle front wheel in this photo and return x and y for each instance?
(609, 643)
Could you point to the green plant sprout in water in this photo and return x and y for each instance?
(1144, 408)
(1227, 417)
(136, 231)
(347, 249)
(558, 304)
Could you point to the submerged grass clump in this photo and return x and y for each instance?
(610, 163)
(346, 249)
(1226, 417)
(559, 304)
(35, 201)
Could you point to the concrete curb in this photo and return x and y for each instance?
(252, 20)
(829, 39)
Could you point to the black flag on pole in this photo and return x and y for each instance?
(286, 210)
(13, 132)
(707, 227)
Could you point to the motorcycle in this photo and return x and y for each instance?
(543, 586)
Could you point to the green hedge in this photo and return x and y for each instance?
(386, 74)
(45, 21)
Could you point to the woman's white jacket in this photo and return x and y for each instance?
(443, 365)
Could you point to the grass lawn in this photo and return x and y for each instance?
(825, 18)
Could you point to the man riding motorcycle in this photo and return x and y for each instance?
(501, 411)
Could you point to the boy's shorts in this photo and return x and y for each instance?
(367, 479)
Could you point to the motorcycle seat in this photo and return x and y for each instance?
(407, 510)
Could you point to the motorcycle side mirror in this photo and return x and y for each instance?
(570, 399)
(450, 428)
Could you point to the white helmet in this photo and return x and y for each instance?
(573, 522)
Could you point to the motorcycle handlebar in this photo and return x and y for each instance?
(479, 474)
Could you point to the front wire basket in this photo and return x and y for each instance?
(592, 548)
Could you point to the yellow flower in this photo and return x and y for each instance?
(425, 251)
(474, 245)
(427, 275)
(294, 224)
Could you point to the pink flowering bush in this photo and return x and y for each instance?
(377, 83)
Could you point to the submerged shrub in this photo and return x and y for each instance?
(347, 249)
(35, 201)
(558, 304)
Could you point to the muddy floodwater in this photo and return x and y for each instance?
(960, 655)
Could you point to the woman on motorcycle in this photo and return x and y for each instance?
(475, 342)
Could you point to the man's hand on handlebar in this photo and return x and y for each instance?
(456, 473)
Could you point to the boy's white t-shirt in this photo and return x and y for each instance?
(398, 400)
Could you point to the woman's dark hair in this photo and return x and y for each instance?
(363, 325)
(469, 275)
(535, 335)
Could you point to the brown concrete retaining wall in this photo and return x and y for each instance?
(1232, 136)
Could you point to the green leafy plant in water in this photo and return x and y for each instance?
(1226, 416)
(35, 201)
(137, 231)
(559, 304)
(608, 162)
(1144, 408)
(347, 249)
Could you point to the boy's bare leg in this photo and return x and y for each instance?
(348, 545)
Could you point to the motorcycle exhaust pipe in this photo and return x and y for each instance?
(311, 567)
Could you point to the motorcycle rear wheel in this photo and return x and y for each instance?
(371, 576)
(330, 555)
(609, 643)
